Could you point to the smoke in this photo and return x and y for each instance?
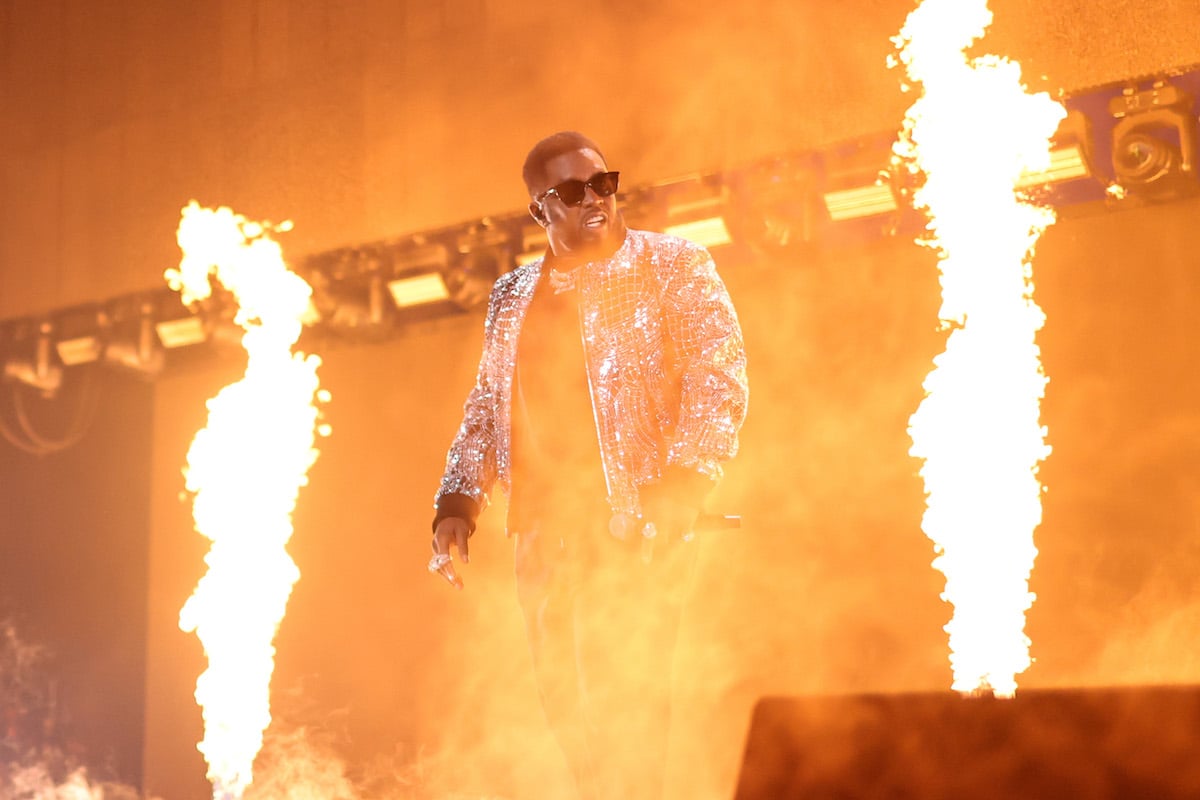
(826, 588)
(299, 764)
(38, 781)
(38, 759)
(307, 762)
(701, 93)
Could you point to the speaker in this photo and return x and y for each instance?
(1060, 744)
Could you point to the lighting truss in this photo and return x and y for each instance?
(1131, 142)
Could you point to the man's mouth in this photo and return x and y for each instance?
(596, 219)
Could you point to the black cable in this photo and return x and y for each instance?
(30, 440)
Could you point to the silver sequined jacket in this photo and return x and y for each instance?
(665, 363)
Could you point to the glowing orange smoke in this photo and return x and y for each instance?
(972, 133)
(245, 470)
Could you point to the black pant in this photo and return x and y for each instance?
(602, 625)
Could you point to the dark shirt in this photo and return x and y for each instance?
(554, 430)
(556, 464)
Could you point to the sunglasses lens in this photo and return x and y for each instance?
(604, 184)
(571, 192)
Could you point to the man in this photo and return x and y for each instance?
(611, 388)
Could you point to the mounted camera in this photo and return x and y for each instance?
(1154, 142)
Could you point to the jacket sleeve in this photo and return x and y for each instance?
(471, 461)
(705, 339)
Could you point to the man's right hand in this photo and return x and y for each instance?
(450, 531)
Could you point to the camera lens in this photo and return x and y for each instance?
(1143, 158)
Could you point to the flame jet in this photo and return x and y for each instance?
(245, 470)
(968, 138)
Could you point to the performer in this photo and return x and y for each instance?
(611, 388)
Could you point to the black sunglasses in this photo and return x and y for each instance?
(572, 192)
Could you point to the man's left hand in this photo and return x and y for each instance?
(673, 518)
(673, 502)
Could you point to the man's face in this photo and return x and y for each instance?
(575, 229)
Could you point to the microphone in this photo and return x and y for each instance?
(718, 522)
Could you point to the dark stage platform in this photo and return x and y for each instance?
(1077, 744)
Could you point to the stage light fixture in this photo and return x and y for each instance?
(350, 291)
(695, 209)
(1154, 142)
(79, 335)
(1066, 163)
(181, 332)
(859, 180)
(177, 325)
(484, 255)
(418, 289)
(774, 206)
(37, 369)
(861, 201)
(79, 350)
(361, 305)
(1070, 154)
(133, 344)
(416, 275)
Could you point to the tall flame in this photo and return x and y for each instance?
(245, 470)
(972, 133)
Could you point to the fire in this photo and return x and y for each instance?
(971, 134)
(245, 470)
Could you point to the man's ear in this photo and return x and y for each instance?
(538, 215)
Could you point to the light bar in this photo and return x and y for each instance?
(863, 201)
(181, 332)
(415, 290)
(695, 211)
(79, 335)
(711, 232)
(417, 275)
(79, 350)
(1066, 164)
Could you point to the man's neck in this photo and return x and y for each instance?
(605, 249)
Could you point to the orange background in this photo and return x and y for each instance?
(364, 121)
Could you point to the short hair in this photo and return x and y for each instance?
(552, 146)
